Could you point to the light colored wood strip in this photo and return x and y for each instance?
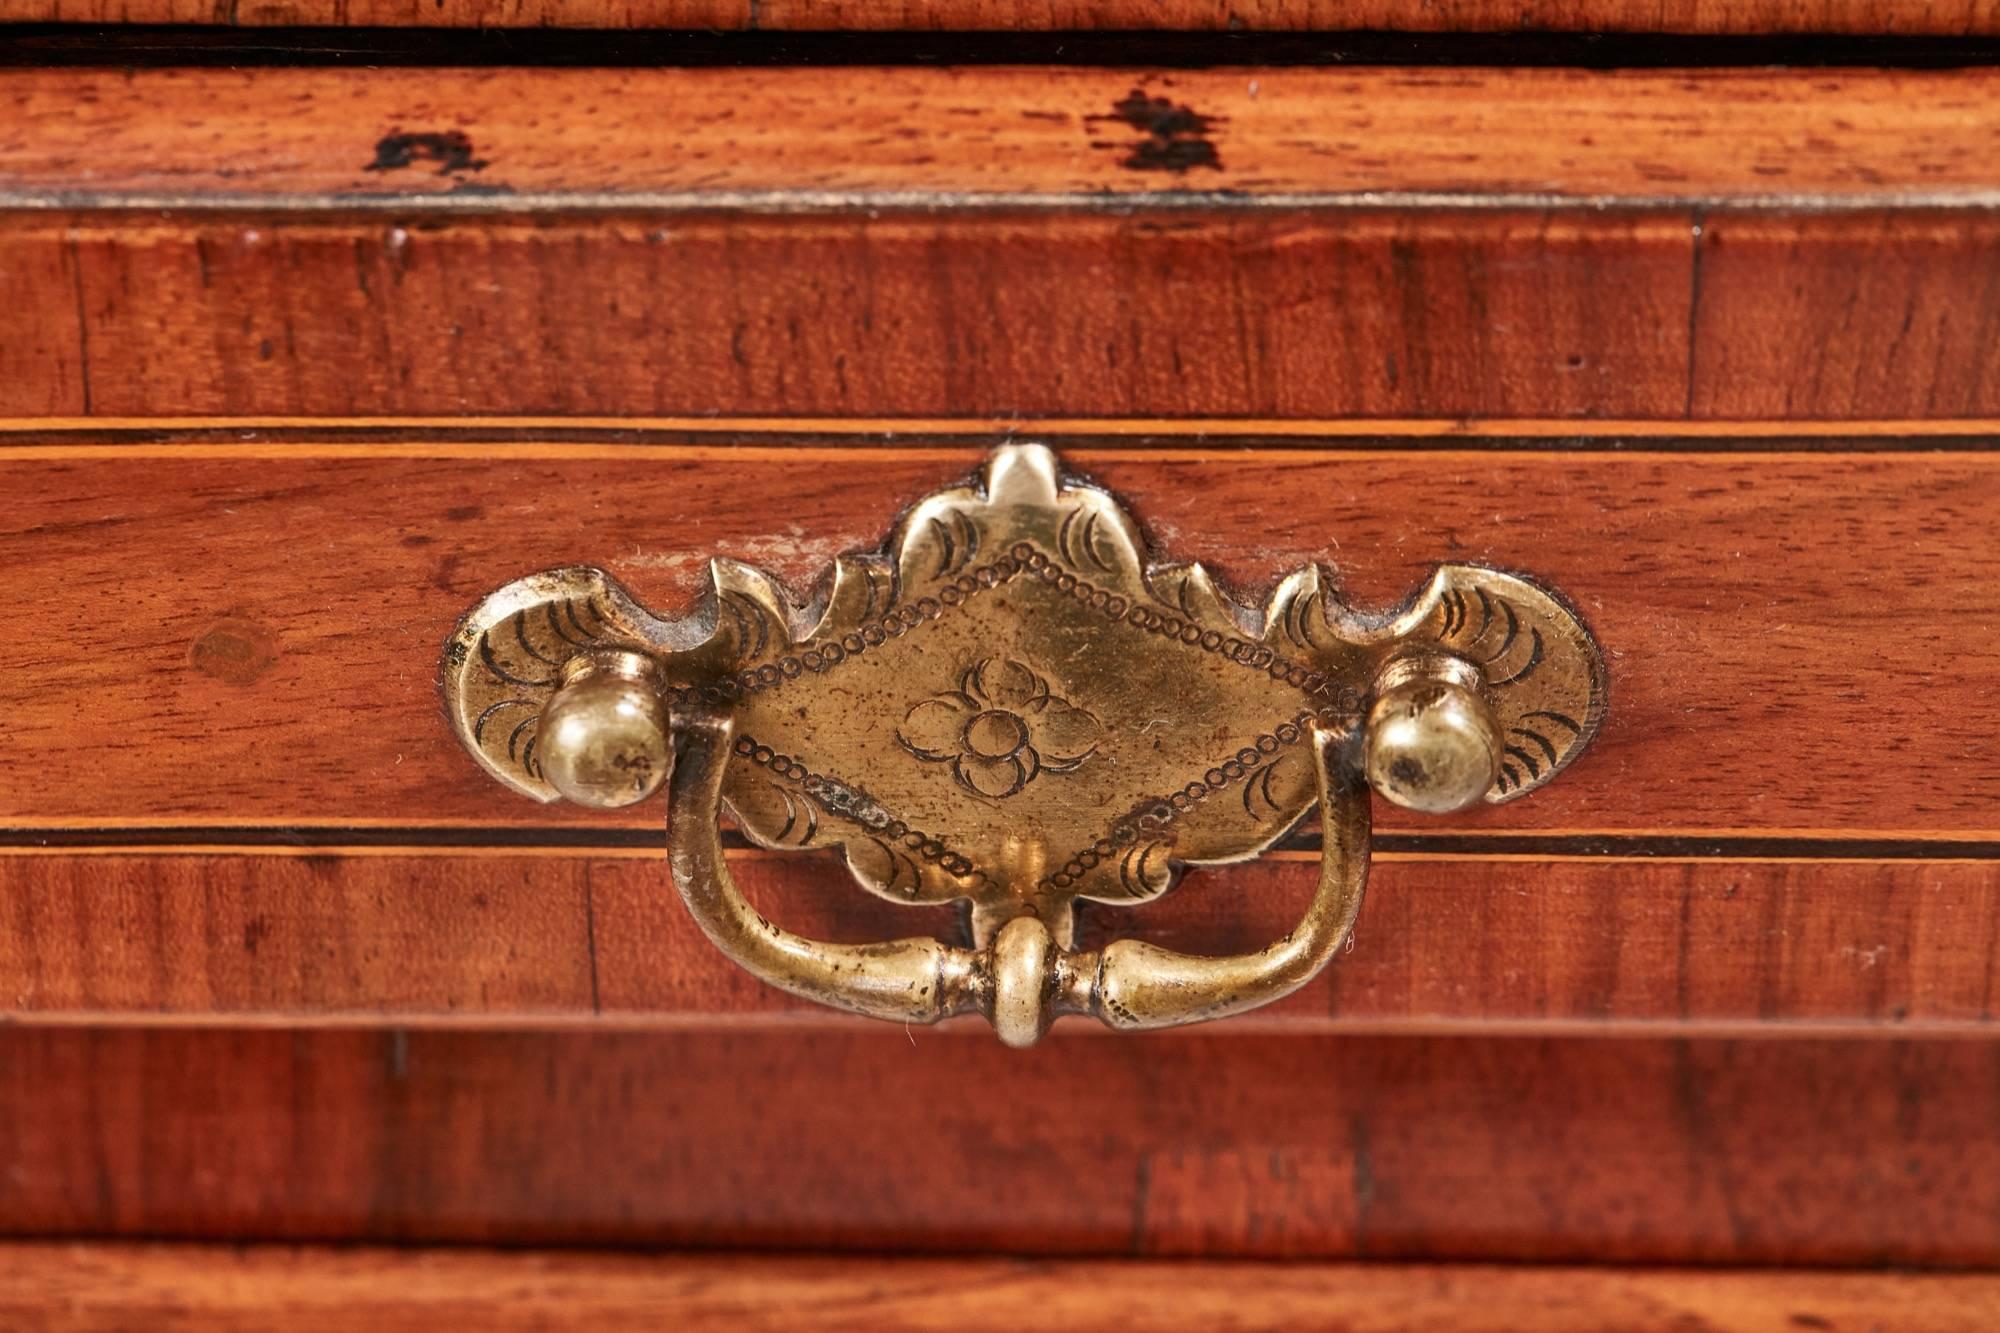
(110, 1288)
(507, 139)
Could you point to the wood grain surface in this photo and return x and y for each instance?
(1694, 945)
(1290, 314)
(1222, 1143)
(1523, 314)
(1781, 326)
(251, 637)
(1942, 17)
(111, 1288)
(216, 641)
(507, 139)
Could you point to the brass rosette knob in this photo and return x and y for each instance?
(1012, 706)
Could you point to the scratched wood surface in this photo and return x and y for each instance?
(1721, 16)
(111, 1288)
(1787, 1151)
(1294, 314)
(513, 138)
(252, 635)
(1443, 943)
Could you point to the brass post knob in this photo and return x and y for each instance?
(1433, 743)
(603, 737)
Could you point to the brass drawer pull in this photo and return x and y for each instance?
(1010, 706)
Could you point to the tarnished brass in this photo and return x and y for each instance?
(1012, 707)
(602, 736)
(1432, 743)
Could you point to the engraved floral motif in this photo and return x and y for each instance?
(1000, 729)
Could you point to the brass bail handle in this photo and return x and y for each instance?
(1431, 743)
(1015, 705)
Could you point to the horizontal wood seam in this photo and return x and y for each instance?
(595, 841)
(1255, 1023)
(183, 44)
(945, 441)
(800, 201)
(144, 429)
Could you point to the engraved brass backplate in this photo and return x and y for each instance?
(1010, 706)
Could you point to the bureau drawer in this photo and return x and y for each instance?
(314, 360)
(1783, 818)
(275, 428)
(1791, 624)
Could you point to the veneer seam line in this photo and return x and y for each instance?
(983, 426)
(785, 201)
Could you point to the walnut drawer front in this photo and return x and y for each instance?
(284, 701)
(1721, 380)
(303, 369)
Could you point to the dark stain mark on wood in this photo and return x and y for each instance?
(1175, 138)
(450, 149)
(234, 650)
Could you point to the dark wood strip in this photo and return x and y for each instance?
(113, 1288)
(197, 936)
(587, 839)
(1512, 945)
(140, 39)
(1524, 21)
(850, 316)
(1298, 315)
(558, 437)
(1225, 1144)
